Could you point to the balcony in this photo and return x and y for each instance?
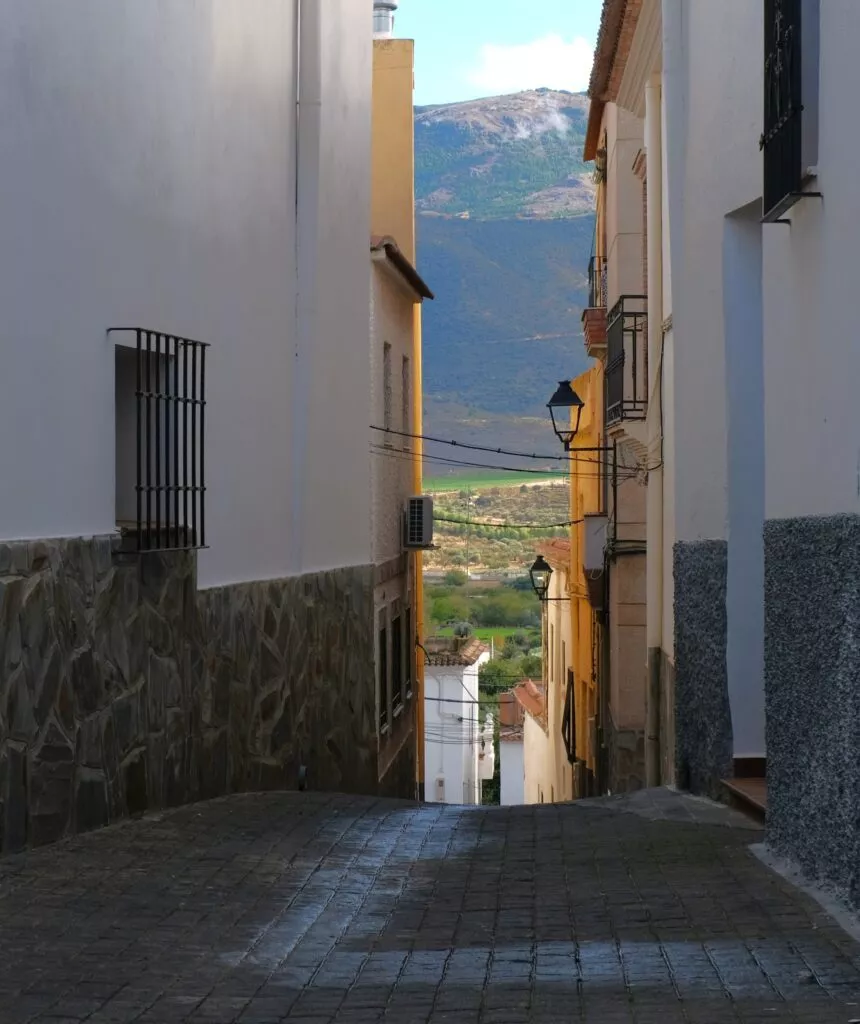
(627, 360)
(594, 315)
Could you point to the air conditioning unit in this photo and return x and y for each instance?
(418, 522)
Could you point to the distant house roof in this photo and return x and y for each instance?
(617, 25)
(556, 552)
(532, 696)
(444, 650)
(510, 710)
(386, 246)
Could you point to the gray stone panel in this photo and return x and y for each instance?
(812, 694)
(123, 689)
(626, 758)
(703, 724)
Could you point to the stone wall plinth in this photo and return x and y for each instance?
(123, 689)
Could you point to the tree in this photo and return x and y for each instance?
(455, 578)
(495, 675)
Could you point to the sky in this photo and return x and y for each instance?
(470, 48)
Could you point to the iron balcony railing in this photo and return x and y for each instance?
(597, 282)
(627, 360)
(782, 138)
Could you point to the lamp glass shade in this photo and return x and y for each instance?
(540, 574)
(565, 410)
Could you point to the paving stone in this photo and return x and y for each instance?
(259, 909)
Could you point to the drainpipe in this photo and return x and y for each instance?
(309, 33)
(654, 529)
(418, 577)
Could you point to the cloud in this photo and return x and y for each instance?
(549, 62)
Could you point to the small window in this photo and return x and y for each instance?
(160, 404)
(406, 400)
(386, 389)
(397, 664)
(383, 674)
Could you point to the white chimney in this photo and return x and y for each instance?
(383, 18)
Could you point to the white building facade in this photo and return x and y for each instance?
(754, 498)
(458, 746)
(191, 172)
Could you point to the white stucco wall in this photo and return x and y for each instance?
(811, 355)
(149, 167)
(711, 82)
(451, 732)
(511, 773)
(742, 297)
(713, 383)
(537, 773)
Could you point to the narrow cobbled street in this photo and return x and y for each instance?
(319, 909)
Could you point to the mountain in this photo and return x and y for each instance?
(505, 228)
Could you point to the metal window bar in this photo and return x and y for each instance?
(383, 678)
(410, 653)
(568, 721)
(596, 282)
(627, 360)
(397, 662)
(170, 468)
(782, 137)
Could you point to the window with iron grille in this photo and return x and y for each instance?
(568, 719)
(406, 402)
(382, 661)
(396, 663)
(409, 651)
(789, 140)
(386, 390)
(626, 376)
(597, 282)
(160, 418)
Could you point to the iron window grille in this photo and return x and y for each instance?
(568, 721)
(410, 653)
(170, 469)
(627, 360)
(599, 173)
(597, 282)
(382, 636)
(397, 663)
(782, 138)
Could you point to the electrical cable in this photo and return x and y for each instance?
(494, 451)
(444, 460)
(509, 526)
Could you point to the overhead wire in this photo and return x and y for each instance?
(496, 451)
(444, 460)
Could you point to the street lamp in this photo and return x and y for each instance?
(567, 406)
(540, 573)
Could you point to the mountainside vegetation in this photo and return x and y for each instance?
(505, 229)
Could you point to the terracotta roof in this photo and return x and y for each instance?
(618, 22)
(446, 651)
(386, 245)
(556, 552)
(510, 710)
(532, 696)
(511, 734)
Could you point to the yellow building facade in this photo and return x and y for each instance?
(393, 230)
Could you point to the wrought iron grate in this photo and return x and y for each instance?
(782, 138)
(626, 374)
(170, 414)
